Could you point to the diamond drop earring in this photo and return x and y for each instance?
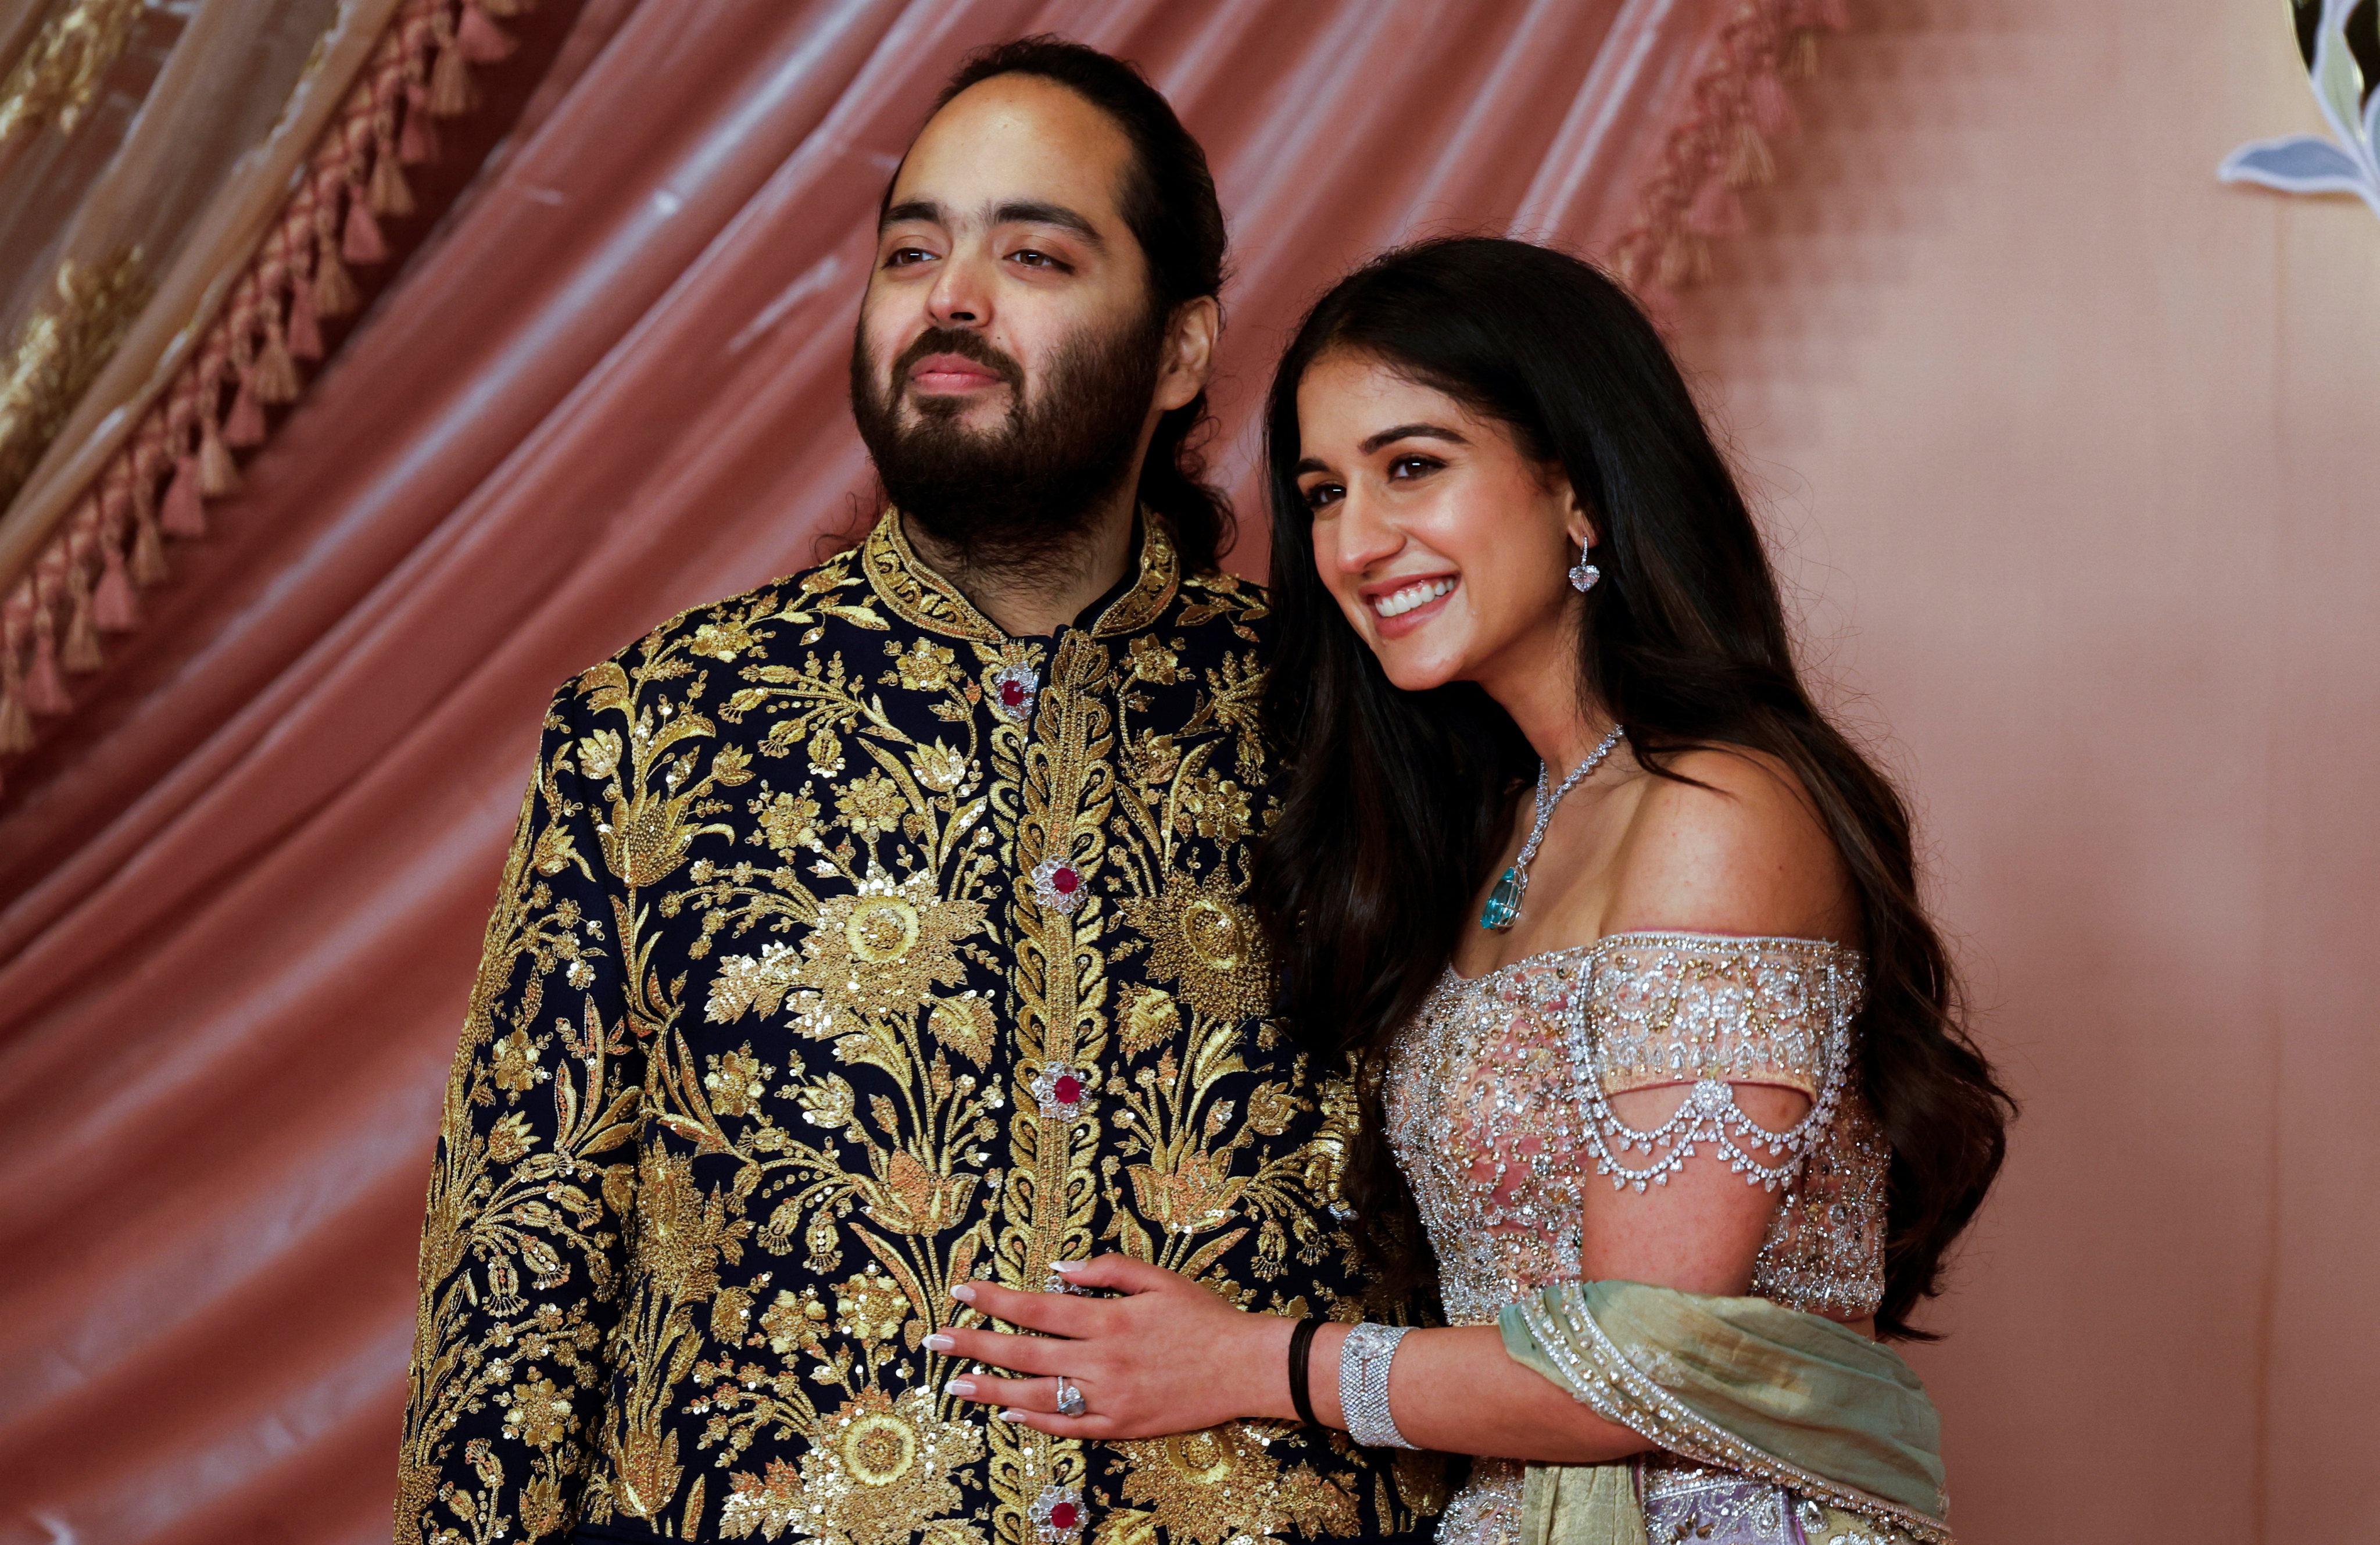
(1582, 575)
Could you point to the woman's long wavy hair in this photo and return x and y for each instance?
(1394, 800)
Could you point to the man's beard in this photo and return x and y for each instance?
(1016, 499)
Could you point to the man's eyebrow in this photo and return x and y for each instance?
(1036, 212)
(1418, 431)
(925, 210)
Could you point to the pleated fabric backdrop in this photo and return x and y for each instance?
(243, 885)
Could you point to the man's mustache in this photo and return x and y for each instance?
(967, 346)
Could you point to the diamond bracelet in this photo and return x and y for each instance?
(1364, 1360)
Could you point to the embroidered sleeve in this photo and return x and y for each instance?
(1712, 1012)
(521, 1247)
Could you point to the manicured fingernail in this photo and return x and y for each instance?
(1011, 1414)
(964, 1294)
(961, 1386)
(939, 1342)
(1068, 1266)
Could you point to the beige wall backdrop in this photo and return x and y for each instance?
(2075, 448)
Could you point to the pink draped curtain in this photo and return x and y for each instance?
(242, 888)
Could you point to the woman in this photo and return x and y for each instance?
(1661, 1050)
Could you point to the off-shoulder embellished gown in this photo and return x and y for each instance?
(1499, 1112)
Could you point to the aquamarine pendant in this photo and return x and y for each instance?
(1503, 908)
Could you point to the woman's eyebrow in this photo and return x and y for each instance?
(1402, 431)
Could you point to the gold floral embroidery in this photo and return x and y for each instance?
(748, 1080)
(938, 767)
(787, 820)
(872, 806)
(924, 666)
(722, 640)
(878, 1473)
(1204, 938)
(1150, 660)
(1212, 807)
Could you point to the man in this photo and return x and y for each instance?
(884, 928)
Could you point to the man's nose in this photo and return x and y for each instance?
(961, 297)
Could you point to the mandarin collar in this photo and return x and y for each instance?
(920, 596)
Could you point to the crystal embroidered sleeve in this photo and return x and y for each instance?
(1657, 1010)
(522, 1246)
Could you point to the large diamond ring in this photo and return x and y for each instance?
(1070, 1399)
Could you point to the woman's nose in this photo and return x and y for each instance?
(1366, 535)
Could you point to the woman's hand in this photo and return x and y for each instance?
(1168, 1355)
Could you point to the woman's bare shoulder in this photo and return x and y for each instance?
(1733, 843)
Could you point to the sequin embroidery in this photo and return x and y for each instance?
(1498, 1109)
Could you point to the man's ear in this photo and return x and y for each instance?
(1189, 352)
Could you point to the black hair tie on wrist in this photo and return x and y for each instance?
(1300, 1346)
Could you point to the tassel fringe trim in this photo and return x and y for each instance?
(87, 581)
(1742, 106)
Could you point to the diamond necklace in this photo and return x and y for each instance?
(1503, 908)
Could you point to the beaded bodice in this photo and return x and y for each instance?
(1498, 1109)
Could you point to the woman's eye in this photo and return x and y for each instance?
(1319, 494)
(1406, 467)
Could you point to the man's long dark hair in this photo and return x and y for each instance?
(1394, 802)
(1169, 201)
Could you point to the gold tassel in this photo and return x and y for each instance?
(81, 652)
(1749, 163)
(16, 719)
(1684, 260)
(218, 473)
(451, 92)
(148, 565)
(334, 291)
(16, 722)
(387, 188)
(46, 690)
(275, 373)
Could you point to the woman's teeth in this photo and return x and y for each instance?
(1396, 604)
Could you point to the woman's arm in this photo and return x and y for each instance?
(1742, 856)
(1168, 1355)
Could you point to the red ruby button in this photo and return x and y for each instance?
(1068, 1089)
(1064, 882)
(1011, 693)
(1065, 1515)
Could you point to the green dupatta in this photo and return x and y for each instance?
(1740, 1385)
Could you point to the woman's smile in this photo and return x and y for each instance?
(1401, 605)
